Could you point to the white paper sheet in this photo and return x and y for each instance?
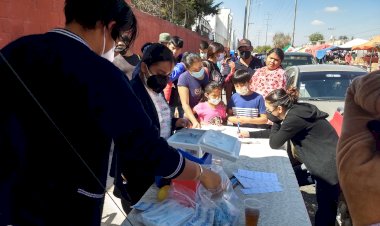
(258, 182)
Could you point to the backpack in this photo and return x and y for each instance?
(213, 74)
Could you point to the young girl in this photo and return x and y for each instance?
(212, 111)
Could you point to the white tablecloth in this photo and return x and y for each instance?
(282, 208)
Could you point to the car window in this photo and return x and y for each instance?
(325, 85)
(296, 60)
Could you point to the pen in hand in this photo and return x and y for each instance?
(238, 126)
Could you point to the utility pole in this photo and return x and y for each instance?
(258, 38)
(246, 18)
(294, 22)
(266, 33)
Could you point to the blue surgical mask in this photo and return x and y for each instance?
(198, 74)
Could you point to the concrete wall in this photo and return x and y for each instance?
(23, 17)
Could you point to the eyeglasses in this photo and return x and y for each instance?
(269, 111)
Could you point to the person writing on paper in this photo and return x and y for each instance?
(55, 139)
(211, 110)
(315, 141)
(191, 84)
(246, 107)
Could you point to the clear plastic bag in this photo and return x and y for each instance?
(195, 206)
(216, 208)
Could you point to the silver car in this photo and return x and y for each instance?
(323, 85)
(297, 58)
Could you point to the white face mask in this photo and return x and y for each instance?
(214, 101)
(110, 54)
(243, 91)
(203, 56)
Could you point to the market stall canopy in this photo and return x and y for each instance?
(314, 49)
(322, 52)
(373, 44)
(350, 44)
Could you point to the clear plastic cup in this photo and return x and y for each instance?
(252, 211)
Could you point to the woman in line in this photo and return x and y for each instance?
(191, 85)
(270, 77)
(215, 54)
(315, 141)
(149, 79)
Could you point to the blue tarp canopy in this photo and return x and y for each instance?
(322, 52)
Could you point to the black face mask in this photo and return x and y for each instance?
(273, 118)
(245, 54)
(157, 82)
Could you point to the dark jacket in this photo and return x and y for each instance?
(314, 138)
(42, 179)
(132, 191)
(252, 67)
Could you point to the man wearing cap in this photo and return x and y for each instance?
(247, 61)
(164, 38)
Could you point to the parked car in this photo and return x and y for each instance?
(323, 85)
(296, 58)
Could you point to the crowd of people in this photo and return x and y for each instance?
(65, 83)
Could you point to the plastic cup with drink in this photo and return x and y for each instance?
(252, 211)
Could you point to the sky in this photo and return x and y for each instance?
(352, 18)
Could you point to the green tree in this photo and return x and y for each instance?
(280, 40)
(262, 49)
(316, 37)
(180, 12)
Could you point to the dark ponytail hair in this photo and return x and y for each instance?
(279, 52)
(156, 52)
(209, 88)
(280, 97)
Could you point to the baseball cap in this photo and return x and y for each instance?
(164, 37)
(244, 42)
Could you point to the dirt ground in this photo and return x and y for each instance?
(308, 194)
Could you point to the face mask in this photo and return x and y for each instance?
(110, 54)
(203, 55)
(243, 91)
(214, 101)
(273, 118)
(198, 74)
(220, 57)
(245, 54)
(157, 82)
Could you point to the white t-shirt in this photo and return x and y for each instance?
(163, 112)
